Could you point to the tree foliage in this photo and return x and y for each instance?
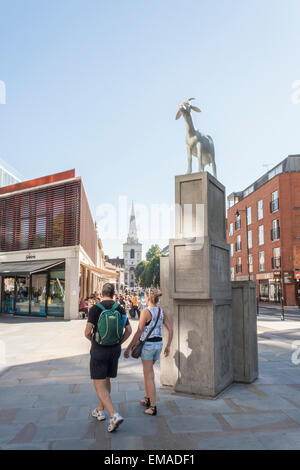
(148, 272)
(153, 251)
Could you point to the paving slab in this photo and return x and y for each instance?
(46, 397)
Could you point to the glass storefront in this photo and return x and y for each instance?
(8, 295)
(270, 290)
(56, 299)
(22, 295)
(38, 294)
(264, 290)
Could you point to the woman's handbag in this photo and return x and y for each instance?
(136, 351)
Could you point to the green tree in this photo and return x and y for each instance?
(152, 252)
(154, 271)
(147, 273)
(139, 270)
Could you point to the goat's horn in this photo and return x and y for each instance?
(190, 99)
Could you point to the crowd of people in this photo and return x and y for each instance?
(131, 300)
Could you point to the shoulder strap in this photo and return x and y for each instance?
(153, 328)
(114, 307)
(101, 306)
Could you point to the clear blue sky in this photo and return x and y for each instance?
(94, 85)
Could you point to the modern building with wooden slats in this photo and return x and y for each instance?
(50, 255)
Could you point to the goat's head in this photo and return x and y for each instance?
(185, 108)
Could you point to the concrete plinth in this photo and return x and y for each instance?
(244, 330)
(197, 296)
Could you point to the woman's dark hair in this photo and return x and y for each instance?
(108, 290)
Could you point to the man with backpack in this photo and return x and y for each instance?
(107, 328)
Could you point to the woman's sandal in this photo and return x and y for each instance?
(145, 402)
(152, 411)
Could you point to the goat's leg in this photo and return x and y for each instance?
(199, 155)
(189, 153)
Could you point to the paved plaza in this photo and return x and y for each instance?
(46, 396)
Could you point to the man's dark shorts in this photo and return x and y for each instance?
(104, 362)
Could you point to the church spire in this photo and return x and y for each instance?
(132, 234)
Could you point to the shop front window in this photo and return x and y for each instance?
(56, 300)
(8, 295)
(22, 295)
(38, 294)
(264, 290)
(274, 290)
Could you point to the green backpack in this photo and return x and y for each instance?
(109, 329)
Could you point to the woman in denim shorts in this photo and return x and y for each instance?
(153, 346)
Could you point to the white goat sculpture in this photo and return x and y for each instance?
(199, 145)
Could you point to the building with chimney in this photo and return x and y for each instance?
(132, 252)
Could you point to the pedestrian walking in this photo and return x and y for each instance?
(150, 330)
(107, 328)
(84, 307)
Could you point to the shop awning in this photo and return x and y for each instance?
(24, 268)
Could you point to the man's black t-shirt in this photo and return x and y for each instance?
(94, 315)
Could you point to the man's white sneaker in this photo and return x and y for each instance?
(115, 422)
(98, 414)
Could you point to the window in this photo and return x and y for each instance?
(231, 249)
(231, 229)
(275, 172)
(40, 220)
(250, 263)
(132, 254)
(248, 191)
(239, 265)
(238, 243)
(249, 238)
(232, 273)
(275, 232)
(274, 204)
(260, 210)
(261, 261)
(238, 222)
(276, 260)
(248, 215)
(24, 223)
(261, 235)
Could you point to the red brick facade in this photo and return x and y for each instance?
(280, 275)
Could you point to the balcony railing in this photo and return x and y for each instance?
(276, 262)
(238, 268)
(275, 233)
(274, 205)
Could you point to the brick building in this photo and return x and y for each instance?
(263, 230)
(49, 249)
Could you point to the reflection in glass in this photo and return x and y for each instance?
(56, 299)
(8, 295)
(38, 294)
(22, 297)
